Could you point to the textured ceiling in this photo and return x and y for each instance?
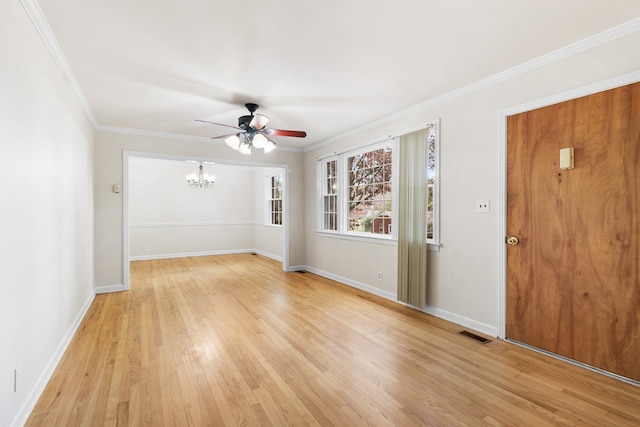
(323, 67)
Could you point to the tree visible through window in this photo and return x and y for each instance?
(356, 194)
(356, 191)
(369, 194)
(431, 183)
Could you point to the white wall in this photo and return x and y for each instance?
(169, 219)
(464, 276)
(46, 240)
(109, 207)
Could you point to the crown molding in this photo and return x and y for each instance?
(585, 44)
(35, 14)
(37, 18)
(151, 133)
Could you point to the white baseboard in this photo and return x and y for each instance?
(266, 254)
(205, 253)
(434, 311)
(108, 289)
(297, 268)
(352, 283)
(462, 321)
(185, 254)
(32, 398)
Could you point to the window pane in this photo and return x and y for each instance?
(354, 222)
(331, 186)
(431, 183)
(275, 196)
(331, 168)
(329, 213)
(369, 191)
(363, 189)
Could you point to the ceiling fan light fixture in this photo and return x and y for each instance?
(269, 147)
(245, 147)
(252, 132)
(259, 121)
(233, 141)
(259, 141)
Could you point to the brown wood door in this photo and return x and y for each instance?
(572, 280)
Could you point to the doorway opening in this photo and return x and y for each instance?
(163, 217)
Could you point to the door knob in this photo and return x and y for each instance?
(513, 240)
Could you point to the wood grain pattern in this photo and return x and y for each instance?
(232, 340)
(573, 283)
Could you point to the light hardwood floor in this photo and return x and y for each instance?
(233, 341)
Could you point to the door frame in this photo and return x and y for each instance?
(590, 89)
(126, 155)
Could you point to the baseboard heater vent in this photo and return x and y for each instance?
(483, 340)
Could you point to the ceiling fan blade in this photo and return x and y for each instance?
(282, 132)
(225, 136)
(218, 124)
(259, 121)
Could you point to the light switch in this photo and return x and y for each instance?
(566, 158)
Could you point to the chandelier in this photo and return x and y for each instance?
(201, 180)
(244, 141)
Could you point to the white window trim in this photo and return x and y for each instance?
(268, 199)
(433, 244)
(342, 183)
(321, 182)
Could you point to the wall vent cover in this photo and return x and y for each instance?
(483, 340)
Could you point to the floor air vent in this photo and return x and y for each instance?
(483, 340)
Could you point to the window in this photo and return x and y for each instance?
(330, 196)
(274, 200)
(369, 193)
(355, 190)
(433, 194)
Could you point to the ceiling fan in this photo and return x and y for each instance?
(252, 132)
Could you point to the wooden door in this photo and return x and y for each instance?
(572, 279)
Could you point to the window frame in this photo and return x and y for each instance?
(269, 217)
(434, 129)
(342, 183)
(390, 142)
(323, 182)
(433, 243)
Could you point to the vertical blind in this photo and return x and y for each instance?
(412, 224)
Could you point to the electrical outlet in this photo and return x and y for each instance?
(379, 275)
(482, 206)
